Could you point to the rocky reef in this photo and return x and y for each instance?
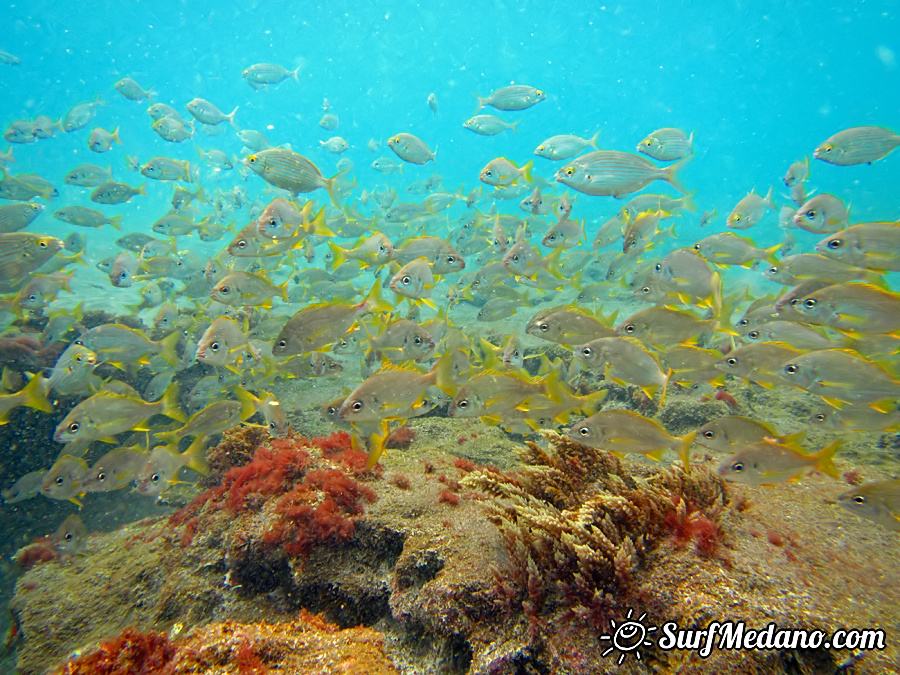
(291, 557)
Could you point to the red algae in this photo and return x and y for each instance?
(687, 524)
(130, 653)
(447, 497)
(35, 554)
(401, 439)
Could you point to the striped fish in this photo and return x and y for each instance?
(15, 217)
(667, 144)
(858, 145)
(514, 97)
(612, 173)
(290, 171)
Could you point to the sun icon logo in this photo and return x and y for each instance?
(629, 636)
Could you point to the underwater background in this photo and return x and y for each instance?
(760, 85)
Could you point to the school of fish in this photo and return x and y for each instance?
(497, 301)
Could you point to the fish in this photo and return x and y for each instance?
(254, 140)
(290, 171)
(768, 462)
(80, 115)
(840, 376)
(18, 216)
(796, 335)
(277, 423)
(875, 246)
(613, 173)
(793, 269)
(513, 97)
(318, 325)
(247, 289)
(375, 250)
(164, 168)
(691, 365)
(259, 75)
(172, 130)
(25, 487)
(101, 140)
(565, 146)
(21, 254)
(207, 113)
(112, 192)
(624, 432)
(432, 103)
(163, 464)
(63, 481)
(414, 280)
(132, 90)
(121, 345)
(158, 111)
(878, 501)
(213, 419)
(329, 121)
(761, 362)
(852, 307)
(410, 149)
(121, 275)
(86, 217)
(225, 343)
(114, 470)
(87, 175)
(797, 173)
(489, 125)
(750, 210)
(438, 252)
(685, 272)
(565, 234)
(567, 326)
(496, 309)
(9, 59)
(667, 144)
(501, 172)
(735, 432)
(822, 214)
(335, 145)
(106, 414)
(858, 145)
(493, 393)
(43, 127)
(625, 360)
(853, 417)
(20, 131)
(727, 248)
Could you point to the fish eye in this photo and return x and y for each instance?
(646, 290)
(406, 280)
(737, 466)
(68, 536)
(630, 328)
(214, 346)
(32, 297)
(540, 148)
(272, 425)
(744, 322)
(417, 340)
(834, 244)
(587, 351)
(515, 258)
(773, 269)
(811, 215)
(791, 369)
(696, 247)
(451, 259)
(859, 499)
(462, 405)
(544, 327)
(709, 434)
(658, 267)
(155, 478)
(101, 476)
(252, 159)
(732, 361)
(242, 244)
(488, 173)
(820, 417)
(570, 170)
(648, 142)
(809, 303)
(357, 405)
(282, 343)
(123, 274)
(74, 426)
(381, 248)
(224, 289)
(552, 237)
(753, 335)
(42, 243)
(584, 431)
(827, 148)
(59, 480)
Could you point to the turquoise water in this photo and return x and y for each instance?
(760, 84)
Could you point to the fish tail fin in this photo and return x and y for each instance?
(114, 136)
(481, 103)
(593, 141)
(825, 458)
(295, 72)
(35, 393)
(116, 222)
(195, 456)
(319, 227)
(664, 388)
(592, 402)
(331, 183)
(671, 174)
(770, 253)
(283, 291)
(526, 170)
(687, 202)
(490, 354)
(170, 406)
(167, 349)
(249, 403)
(230, 118)
(339, 255)
(141, 189)
(8, 157)
(149, 93)
(514, 127)
(373, 301)
(684, 449)
(443, 374)
(770, 198)
(691, 144)
(377, 444)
